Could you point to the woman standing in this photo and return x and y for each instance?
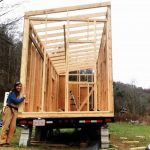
(10, 114)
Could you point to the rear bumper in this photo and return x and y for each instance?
(67, 122)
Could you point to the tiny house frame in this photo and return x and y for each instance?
(66, 67)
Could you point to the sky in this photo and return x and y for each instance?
(130, 35)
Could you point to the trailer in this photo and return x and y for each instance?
(66, 67)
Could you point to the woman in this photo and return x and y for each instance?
(10, 114)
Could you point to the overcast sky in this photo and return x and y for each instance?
(130, 35)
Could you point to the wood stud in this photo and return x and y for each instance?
(51, 52)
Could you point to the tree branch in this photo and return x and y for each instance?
(14, 21)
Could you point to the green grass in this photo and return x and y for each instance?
(130, 131)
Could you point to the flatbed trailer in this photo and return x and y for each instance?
(66, 67)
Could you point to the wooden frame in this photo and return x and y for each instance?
(55, 46)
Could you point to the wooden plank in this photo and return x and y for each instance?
(88, 99)
(33, 74)
(67, 67)
(102, 73)
(71, 32)
(83, 61)
(62, 65)
(62, 93)
(89, 51)
(83, 16)
(82, 51)
(109, 61)
(37, 37)
(28, 77)
(60, 27)
(76, 68)
(130, 142)
(77, 47)
(85, 100)
(56, 40)
(59, 62)
(82, 58)
(81, 41)
(57, 55)
(43, 82)
(61, 19)
(37, 84)
(65, 114)
(57, 47)
(44, 76)
(36, 45)
(65, 9)
(65, 41)
(24, 60)
(137, 148)
(58, 58)
(95, 73)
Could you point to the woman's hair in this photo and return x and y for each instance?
(14, 89)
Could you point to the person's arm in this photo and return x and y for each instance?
(13, 99)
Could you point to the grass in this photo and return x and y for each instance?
(131, 132)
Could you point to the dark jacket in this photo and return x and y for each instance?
(12, 99)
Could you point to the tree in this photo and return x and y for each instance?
(10, 51)
(134, 99)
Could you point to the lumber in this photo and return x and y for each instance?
(109, 61)
(83, 16)
(28, 76)
(65, 114)
(130, 142)
(67, 67)
(75, 68)
(85, 100)
(65, 41)
(71, 32)
(95, 74)
(56, 49)
(88, 97)
(37, 37)
(41, 20)
(81, 41)
(83, 52)
(24, 59)
(60, 27)
(32, 77)
(137, 148)
(44, 77)
(65, 9)
(57, 55)
(58, 58)
(37, 46)
(86, 51)
(56, 40)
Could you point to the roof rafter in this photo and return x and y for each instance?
(65, 9)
